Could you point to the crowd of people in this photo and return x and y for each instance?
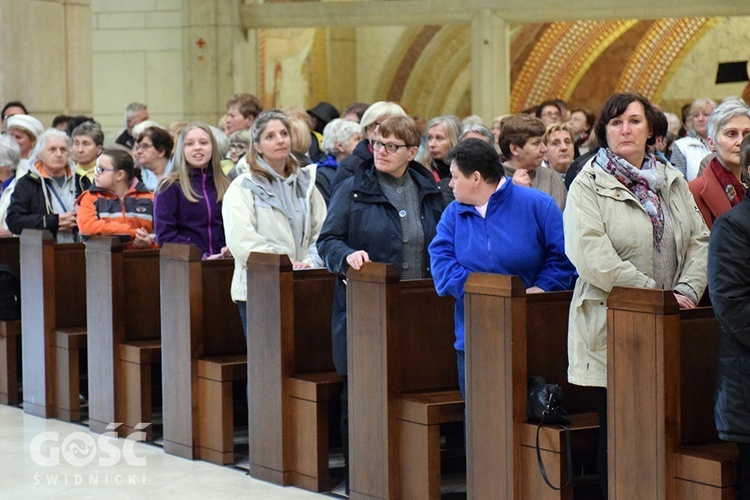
(564, 199)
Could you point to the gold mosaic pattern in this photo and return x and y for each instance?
(659, 53)
(560, 58)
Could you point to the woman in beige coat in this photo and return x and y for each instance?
(629, 221)
(274, 207)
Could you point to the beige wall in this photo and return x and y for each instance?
(45, 48)
(137, 56)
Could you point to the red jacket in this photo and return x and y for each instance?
(709, 195)
(101, 211)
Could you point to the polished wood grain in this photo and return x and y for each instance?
(511, 336)
(400, 346)
(291, 372)
(124, 334)
(10, 333)
(53, 312)
(201, 336)
(661, 375)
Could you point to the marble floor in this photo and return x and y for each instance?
(47, 458)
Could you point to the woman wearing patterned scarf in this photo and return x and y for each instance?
(722, 184)
(629, 221)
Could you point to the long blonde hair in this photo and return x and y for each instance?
(180, 167)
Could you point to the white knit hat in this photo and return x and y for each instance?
(28, 123)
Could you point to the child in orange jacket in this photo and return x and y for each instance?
(118, 204)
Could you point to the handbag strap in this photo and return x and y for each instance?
(568, 453)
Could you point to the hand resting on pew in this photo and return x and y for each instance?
(684, 302)
(224, 254)
(534, 289)
(356, 259)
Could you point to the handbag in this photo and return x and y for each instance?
(544, 406)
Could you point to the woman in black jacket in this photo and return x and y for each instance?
(387, 211)
(729, 287)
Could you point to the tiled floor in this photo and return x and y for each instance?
(52, 459)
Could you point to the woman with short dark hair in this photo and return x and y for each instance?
(495, 226)
(629, 221)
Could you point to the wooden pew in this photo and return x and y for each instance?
(124, 334)
(203, 353)
(403, 383)
(661, 361)
(511, 336)
(10, 333)
(53, 319)
(291, 372)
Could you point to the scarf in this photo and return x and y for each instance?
(644, 184)
(732, 187)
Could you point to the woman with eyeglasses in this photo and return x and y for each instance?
(118, 204)
(371, 119)
(387, 211)
(153, 154)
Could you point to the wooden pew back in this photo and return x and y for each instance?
(198, 319)
(661, 385)
(123, 307)
(10, 332)
(400, 339)
(289, 334)
(511, 336)
(53, 296)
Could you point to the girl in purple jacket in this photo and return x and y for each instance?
(187, 205)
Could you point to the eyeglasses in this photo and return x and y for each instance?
(236, 145)
(101, 170)
(390, 147)
(551, 114)
(142, 146)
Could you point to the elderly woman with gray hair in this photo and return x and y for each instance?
(44, 198)
(340, 137)
(274, 207)
(10, 155)
(723, 183)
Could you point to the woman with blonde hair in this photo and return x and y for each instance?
(274, 207)
(187, 204)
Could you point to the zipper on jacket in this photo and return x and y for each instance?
(208, 206)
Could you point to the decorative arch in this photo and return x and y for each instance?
(561, 57)
(659, 53)
(437, 71)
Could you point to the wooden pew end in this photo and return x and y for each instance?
(136, 358)
(216, 425)
(707, 471)
(10, 346)
(310, 395)
(68, 344)
(584, 435)
(419, 415)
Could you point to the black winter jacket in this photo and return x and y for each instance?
(28, 207)
(349, 165)
(729, 287)
(360, 217)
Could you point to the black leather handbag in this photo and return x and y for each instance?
(544, 406)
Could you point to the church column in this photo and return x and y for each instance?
(490, 66)
(45, 56)
(79, 69)
(208, 47)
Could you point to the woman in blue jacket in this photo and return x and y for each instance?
(495, 226)
(187, 205)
